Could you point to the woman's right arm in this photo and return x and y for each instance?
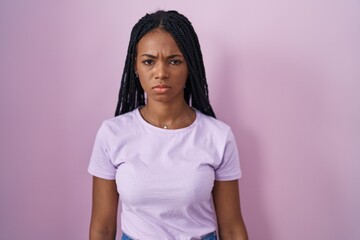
(105, 200)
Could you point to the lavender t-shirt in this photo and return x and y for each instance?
(165, 177)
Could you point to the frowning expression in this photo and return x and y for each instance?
(161, 67)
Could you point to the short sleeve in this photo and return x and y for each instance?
(229, 169)
(100, 162)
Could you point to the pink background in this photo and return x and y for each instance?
(284, 74)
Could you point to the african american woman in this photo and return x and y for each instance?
(173, 166)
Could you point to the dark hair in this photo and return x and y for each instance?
(131, 94)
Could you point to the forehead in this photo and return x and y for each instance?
(158, 41)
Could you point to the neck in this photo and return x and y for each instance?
(168, 116)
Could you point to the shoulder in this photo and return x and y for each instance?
(212, 123)
(120, 123)
(213, 127)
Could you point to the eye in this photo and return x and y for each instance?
(148, 62)
(175, 62)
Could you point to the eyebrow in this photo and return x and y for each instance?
(169, 57)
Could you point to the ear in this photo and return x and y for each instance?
(136, 73)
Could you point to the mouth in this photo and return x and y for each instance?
(161, 88)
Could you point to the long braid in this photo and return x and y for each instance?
(131, 95)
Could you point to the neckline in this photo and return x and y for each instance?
(163, 130)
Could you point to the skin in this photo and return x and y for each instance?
(163, 71)
(226, 199)
(104, 209)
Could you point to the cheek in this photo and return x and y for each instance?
(142, 83)
(184, 75)
(144, 73)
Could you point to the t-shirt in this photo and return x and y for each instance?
(165, 176)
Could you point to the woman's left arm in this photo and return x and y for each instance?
(226, 198)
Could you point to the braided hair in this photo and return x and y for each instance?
(131, 94)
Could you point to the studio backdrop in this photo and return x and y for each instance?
(285, 75)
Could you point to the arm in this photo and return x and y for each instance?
(104, 210)
(228, 212)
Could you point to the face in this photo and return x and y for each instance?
(161, 67)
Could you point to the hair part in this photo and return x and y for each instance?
(131, 94)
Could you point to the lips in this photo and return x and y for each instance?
(160, 86)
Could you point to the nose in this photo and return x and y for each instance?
(161, 71)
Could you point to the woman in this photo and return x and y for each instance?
(174, 166)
